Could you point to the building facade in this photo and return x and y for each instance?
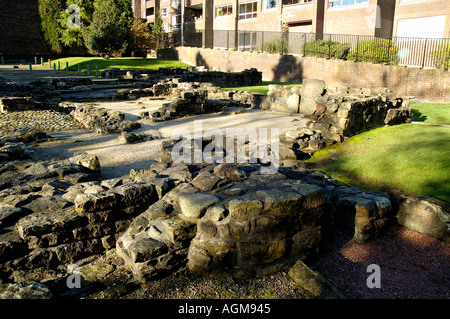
(422, 18)
(381, 18)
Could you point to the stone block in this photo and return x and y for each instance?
(314, 283)
(194, 205)
(245, 207)
(89, 203)
(281, 202)
(261, 252)
(37, 224)
(425, 215)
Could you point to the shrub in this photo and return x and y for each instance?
(377, 50)
(276, 46)
(441, 57)
(326, 48)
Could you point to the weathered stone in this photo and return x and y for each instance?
(294, 135)
(135, 193)
(314, 283)
(193, 206)
(95, 272)
(46, 222)
(205, 181)
(9, 214)
(36, 169)
(229, 171)
(25, 290)
(262, 252)
(88, 203)
(216, 213)
(314, 196)
(281, 202)
(145, 249)
(94, 189)
(425, 215)
(305, 241)
(178, 231)
(48, 204)
(245, 207)
(86, 160)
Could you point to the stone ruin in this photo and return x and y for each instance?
(222, 219)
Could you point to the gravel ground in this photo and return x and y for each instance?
(413, 266)
(186, 286)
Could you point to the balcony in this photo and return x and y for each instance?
(196, 4)
(296, 11)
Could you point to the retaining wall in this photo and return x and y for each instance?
(424, 84)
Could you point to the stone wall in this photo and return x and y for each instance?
(231, 219)
(67, 215)
(247, 77)
(101, 120)
(335, 113)
(427, 84)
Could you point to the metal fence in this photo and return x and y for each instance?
(418, 52)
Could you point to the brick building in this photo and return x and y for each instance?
(419, 18)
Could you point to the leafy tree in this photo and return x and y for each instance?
(49, 26)
(158, 30)
(107, 34)
(140, 38)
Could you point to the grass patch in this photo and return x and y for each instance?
(263, 88)
(121, 63)
(409, 157)
(431, 112)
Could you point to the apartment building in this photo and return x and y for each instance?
(420, 18)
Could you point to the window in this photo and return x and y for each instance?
(248, 10)
(150, 11)
(288, 2)
(164, 12)
(224, 10)
(342, 3)
(270, 4)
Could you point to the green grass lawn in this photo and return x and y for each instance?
(121, 63)
(263, 88)
(432, 112)
(411, 158)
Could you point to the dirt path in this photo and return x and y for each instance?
(118, 159)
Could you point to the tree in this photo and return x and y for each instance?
(140, 38)
(158, 30)
(49, 26)
(107, 34)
